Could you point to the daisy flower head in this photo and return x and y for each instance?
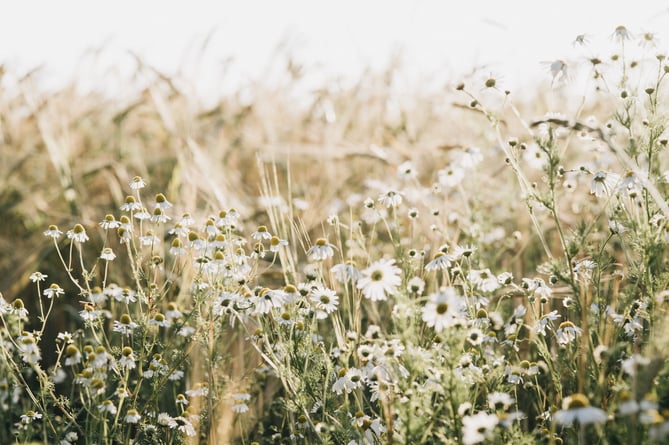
(53, 232)
(380, 280)
(107, 254)
(391, 198)
(444, 309)
(261, 234)
(53, 291)
(321, 250)
(346, 272)
(37, 276)
(78, 234)
(576, 409)
(132, 416)
(621, 34)
(137, 183)
(567, 332)
(478, 427)
(109, 222)
(603, 183)
(325, 301)
(440, 261)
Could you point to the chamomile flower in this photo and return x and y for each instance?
(567, 332)
(53, 232)
(380, 280)
(107, 254)
(37, 276)
(325, 301)
(603, 183)
(478, 427)
(137, 183)
(391, 198)
(346, 272)
(132, 416)
(124, 325)
(576, 409)
(53, 291)
(109, 222)
(444, 309)
(440, 261)
(78, 234)
(321, 250)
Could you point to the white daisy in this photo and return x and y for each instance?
(380, 280)
(576, 409)
(445, 309)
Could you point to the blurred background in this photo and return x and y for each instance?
(222, 45)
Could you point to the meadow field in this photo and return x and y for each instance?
(362, 264)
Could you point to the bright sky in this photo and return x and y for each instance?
(342, 37)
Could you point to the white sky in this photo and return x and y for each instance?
(342, 37)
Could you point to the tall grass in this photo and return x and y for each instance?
(467, 265)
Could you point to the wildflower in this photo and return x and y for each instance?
(261, 234)
(107, 254)
(107, 406)
(53, 291)
(240, 405)
(499, 401)
(142, 214)
(53, 232)
(132, 416)
(406, 170)
(451, 176)
(632, 364)
(177, 247)
(475, 337)
(545, 322)
(37, 276)
(30, 352)
(137, 183)
(89, 313)
(559, 70)
(78, 234)
(484, 280)
(603, 183)
(321, 250)
(124, 325)
(380, 280)
(149, 239)
(158, 216)
(159, 320)
(416, 285)
(444, 309)
(567, 332)
(470, 157)
(478, 427)
(29, 416)
(266, 300)
(621, 34)
(275, 243)
(184, 425)
(347, 381)
(130, 204)
(172, 312)
(16, 308)
(391, 199)
(72, 355)
(161, 202)
(69, 439)
(325, 300)
(440, 261)
(127, 359)
(576, 408)
(346, 272)
(109, 222)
